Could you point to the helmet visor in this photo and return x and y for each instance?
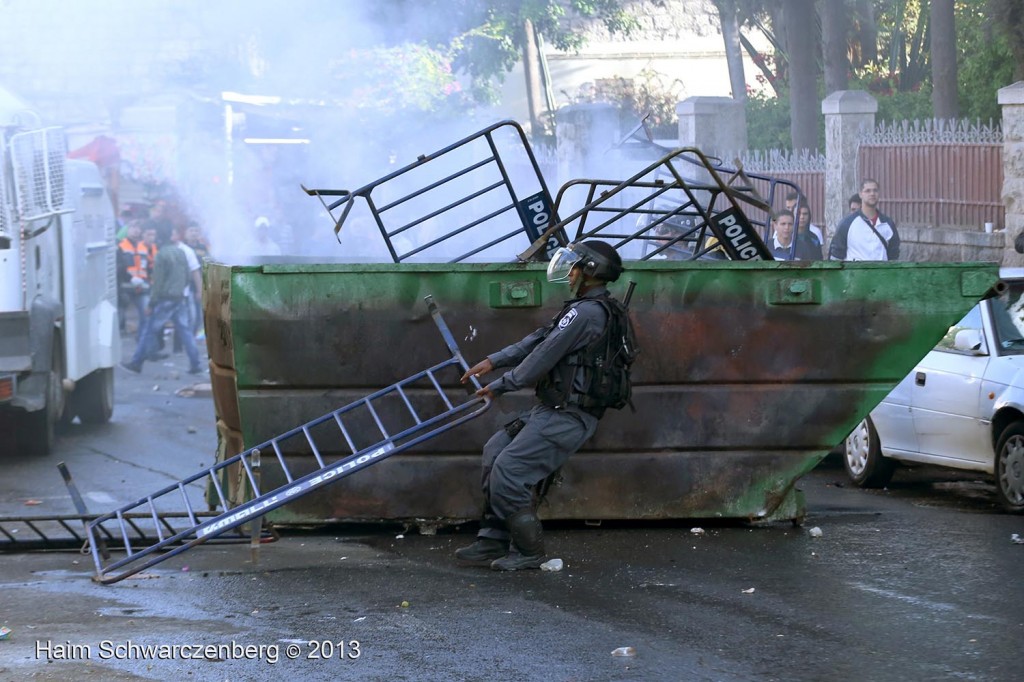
(561, 263)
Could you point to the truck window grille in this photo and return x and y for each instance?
(38, 160)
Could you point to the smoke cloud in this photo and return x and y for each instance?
(152, 74)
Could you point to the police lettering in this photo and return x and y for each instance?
(540, 215)
(739, 239)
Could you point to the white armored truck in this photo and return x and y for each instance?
(59, 338)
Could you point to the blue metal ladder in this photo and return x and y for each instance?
(203, 528)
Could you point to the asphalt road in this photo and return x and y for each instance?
(917, 582)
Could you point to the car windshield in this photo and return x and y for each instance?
(1008, 316)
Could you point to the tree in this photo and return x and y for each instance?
(534, 79)
(943, 55)
(1009, 15)
(835, 44)
(487, 38)
(804, 109)
(728, 15)
(867, 33)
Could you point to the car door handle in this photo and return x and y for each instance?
(920, 378)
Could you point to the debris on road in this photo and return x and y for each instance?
(5, 633)
(624, 651)
(200, 390)
(749, 590)
(32, 503)
(1016, 539)
(696, 531)
(552, 565)
(815, 532)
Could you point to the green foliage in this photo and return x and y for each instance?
(768, 121)
(487, 38)
(903, 34)
(901, 77)
(984, 62)
(893, 104)
(389, 81)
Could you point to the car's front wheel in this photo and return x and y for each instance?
(1010, 468)
(864, 462)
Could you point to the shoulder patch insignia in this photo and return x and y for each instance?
(567, 318)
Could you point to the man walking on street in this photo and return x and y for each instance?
(867, 234)
(133, 274)
(184, 318)
(527, 450)
(170, 277)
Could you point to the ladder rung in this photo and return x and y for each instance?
(188, 504)
(71, 530)
(216, 486)
(167, 524)
(376, 418)
(248, 470)
(280, 460)
(408, 404)
(444, 396)
(344, 432)
(156, 520)
(124, 533)
(312, 445)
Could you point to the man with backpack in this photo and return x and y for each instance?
(579, 365)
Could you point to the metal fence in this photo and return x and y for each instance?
(945, 173)
(806, 171)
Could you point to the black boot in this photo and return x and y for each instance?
(527, 543)
(484, 549)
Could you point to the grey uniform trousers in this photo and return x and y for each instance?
(513, 466)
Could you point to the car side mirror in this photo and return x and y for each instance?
(968, 340)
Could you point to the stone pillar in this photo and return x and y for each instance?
(1011, 99)
(847, 114)
(714, 125)
(585, 132)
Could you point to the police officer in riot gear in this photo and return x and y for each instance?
(528, 450)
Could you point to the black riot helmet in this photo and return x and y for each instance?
(598, 259)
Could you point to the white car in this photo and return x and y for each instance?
(962, 407)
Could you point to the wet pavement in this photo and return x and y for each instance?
(919, 581)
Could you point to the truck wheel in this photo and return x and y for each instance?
(1010, 468)
(863, 461)
(40, 432)
(94, 397)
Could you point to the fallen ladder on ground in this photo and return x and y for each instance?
(176, 540)
(67, 531)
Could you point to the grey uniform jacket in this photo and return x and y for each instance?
(540, 352)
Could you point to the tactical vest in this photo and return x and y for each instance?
(605, 363)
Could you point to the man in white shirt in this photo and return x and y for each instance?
(867, 234)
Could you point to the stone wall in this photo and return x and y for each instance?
(947, 245)
(658, 20)
(1011, 99)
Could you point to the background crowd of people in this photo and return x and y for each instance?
(864, 234)
(160, 258)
